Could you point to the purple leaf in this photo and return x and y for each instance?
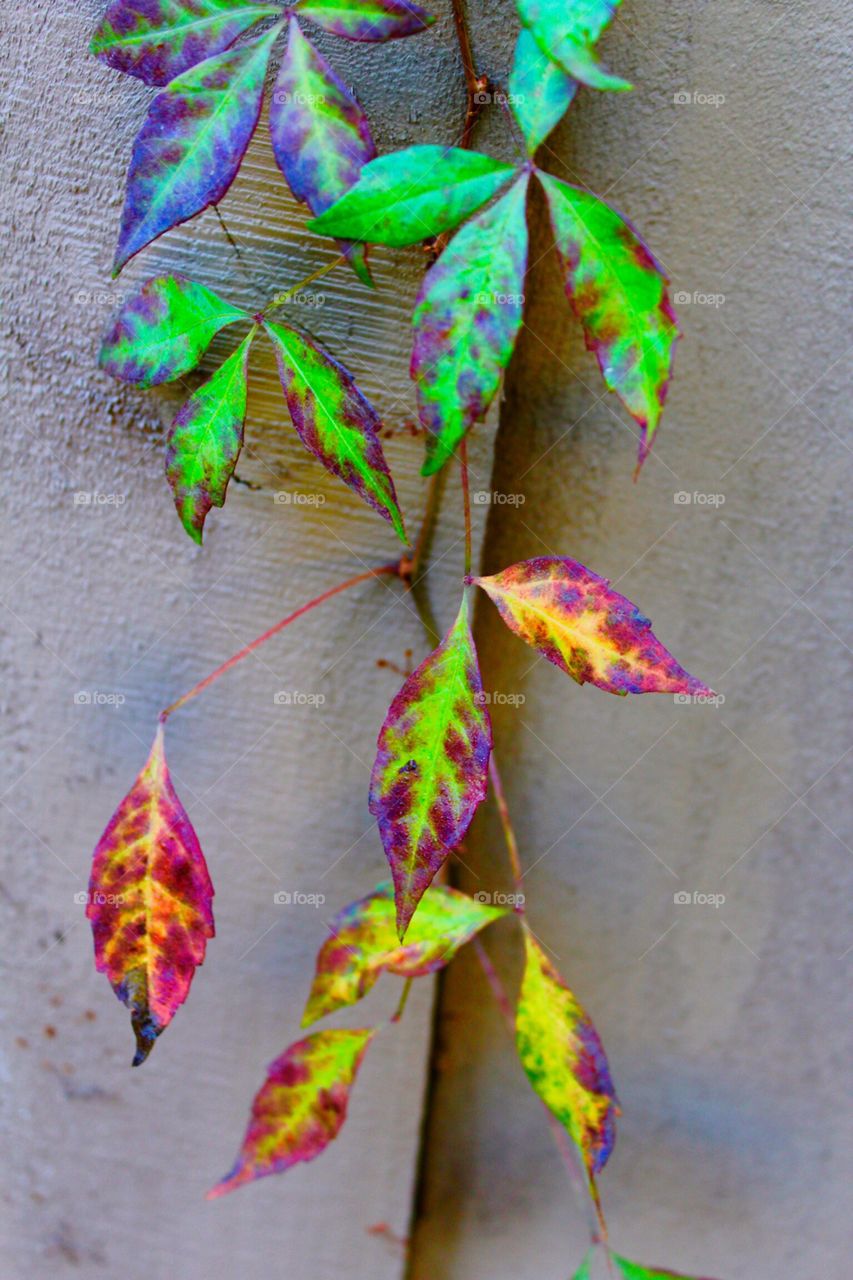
(189, 150)
(320, 135)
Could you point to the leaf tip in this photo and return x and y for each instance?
(146, 1035)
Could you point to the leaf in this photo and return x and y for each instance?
(567, 32)
(188, 152)
(363, 944)
(430, 771)
(591, 632)
(163, 330)
(618, 292)
(205, 440)
(150, 902)
(466, 322)
(334, 420)
(369, 20)
(157, 40)
(540, 92)
(320, 135)
(564, 1059)
(406, 196)
(300, 1107)
(632, 1270)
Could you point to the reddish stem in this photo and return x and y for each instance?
(508, 830)
(273, 631)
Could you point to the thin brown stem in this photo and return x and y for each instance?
(281, 299)
(509, 832)
(466, 501)
(404, 996)
(475, 85)
(273, 631)
(410, 565)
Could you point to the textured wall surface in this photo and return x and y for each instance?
(724, 1026)
(727, 1028)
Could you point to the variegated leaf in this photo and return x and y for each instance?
(540, 92)
(406, 196)
(466, 322)
(300, 1107)
(189, 150)
(320, 135)
(150, 902)
(367, 20)
(363, 944)
(157, 40)
(578, 622)
(566, 31)
(631, 1270)
(618, 292)
(431, 768)
(205, 440)
(334, 420)
(163, 330)
(564, 1060)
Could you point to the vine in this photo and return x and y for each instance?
(150, 900)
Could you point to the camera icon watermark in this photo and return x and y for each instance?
(83, 899)
(302, 298)
(699, 699)
(95, 698)
(295, 698)
(697, 899)
(684, 499)
(493, 497)
(289, 498)
(501, 299)
(695, 98)
(497, 899)
(499, 699)
(286, 898)
(684, 298)
(93, 498)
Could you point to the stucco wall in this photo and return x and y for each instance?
(724, 1026)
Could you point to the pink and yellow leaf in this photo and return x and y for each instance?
(150, 902)
(300, 1108)
(363, 943)
(576, 620)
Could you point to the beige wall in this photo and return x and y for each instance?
(724, 1027)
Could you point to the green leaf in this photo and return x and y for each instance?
(366, 20)
(540, 92)
(618, 292)
(363, 944)
(466, 322)
(631, 1270)
(163, 330)
(334, 420)
(205, 440)
(564, 1059)
(300, 1107)
(566, 32)
(157, 40)
(431, 767)
(189, 149)
(410, 195)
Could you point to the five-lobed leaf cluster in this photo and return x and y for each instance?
(150, 901)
